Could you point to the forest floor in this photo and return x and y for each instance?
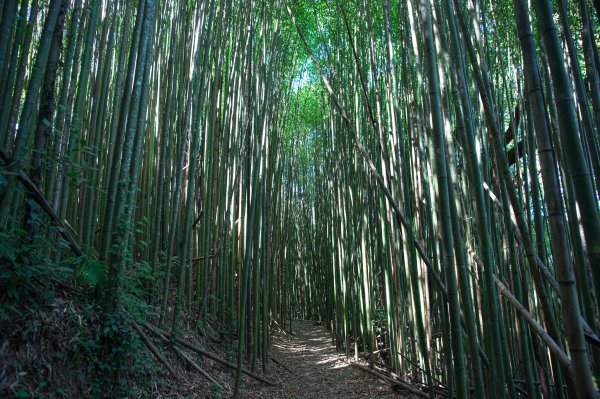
(54, 353)
(307, 365)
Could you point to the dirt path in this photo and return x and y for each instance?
(313, 369)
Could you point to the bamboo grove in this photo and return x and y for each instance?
(421, 176)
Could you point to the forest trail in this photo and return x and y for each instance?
(310, 367)
(214, 167)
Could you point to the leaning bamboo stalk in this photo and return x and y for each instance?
(519, 238)
(535, 325)
(590, 334)
(39, 197)
(565, 272)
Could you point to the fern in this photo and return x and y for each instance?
(92, 272)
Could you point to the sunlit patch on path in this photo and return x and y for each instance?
(313, 369)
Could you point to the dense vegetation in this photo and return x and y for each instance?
(420, 176)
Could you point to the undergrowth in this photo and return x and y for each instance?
(55, 340)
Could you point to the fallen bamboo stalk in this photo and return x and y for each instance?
(195, 366)
(154, 350)
(209, 355)
(390, 370)
(392, 381)
(281, 365)
(188, 360)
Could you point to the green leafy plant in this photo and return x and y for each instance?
(27, 270)
(91, 271)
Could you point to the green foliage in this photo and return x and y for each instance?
(128, 278)
(32, 263)
(26, 270)
(89, 271)
(92, 353)
(137, 276)
(117, 352)
(113, 354)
